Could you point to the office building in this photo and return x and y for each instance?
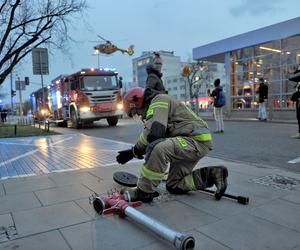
(272, 53)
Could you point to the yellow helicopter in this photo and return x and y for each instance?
(108, 48)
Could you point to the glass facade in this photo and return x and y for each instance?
(274, 61)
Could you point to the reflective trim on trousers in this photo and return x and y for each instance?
(151, 175)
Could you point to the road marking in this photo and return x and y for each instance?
(294, 161)
(30, 152)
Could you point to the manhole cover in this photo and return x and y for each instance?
(277, 181)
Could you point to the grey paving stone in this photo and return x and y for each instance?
(28, 185)
(208, 204)
(1, 190)
(6, 221)
(87, 207)
(106, 173)
(281, 212)
(245, 231)
(103, 186)
(260, 194)
(73, 177)
(43, 219)
(46, 241)
(107, 233)
(17, 202)
(61, 194)
(293, 197)
(201, 242)
(177, 215)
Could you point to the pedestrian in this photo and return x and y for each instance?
(296, 98)
(2, 115)
(5, 115)
(154, 80)
(219, 100)
(157, 61)
(173, 134)
(262, 96)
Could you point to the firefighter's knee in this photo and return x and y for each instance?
(176, 190)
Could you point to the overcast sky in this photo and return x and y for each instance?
(172, 25)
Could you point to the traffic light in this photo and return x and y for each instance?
(26, 80)
(13, 93)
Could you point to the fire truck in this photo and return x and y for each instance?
(84, 97)
(39, 109)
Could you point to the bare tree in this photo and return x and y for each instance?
(197, 75)
(27, 24)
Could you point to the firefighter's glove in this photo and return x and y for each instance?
(137, 153)
(125, 156)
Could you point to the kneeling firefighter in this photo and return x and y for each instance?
(173, 134)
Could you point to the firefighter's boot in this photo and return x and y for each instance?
(136, 194)
(209, 176)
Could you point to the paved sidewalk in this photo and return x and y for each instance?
(46, 205)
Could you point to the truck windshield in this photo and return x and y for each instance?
(99, 83)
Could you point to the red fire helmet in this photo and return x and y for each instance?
(133, 99)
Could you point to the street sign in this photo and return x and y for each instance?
(20, 85)
(40, 61)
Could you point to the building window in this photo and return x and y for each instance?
(273, 61)
(175, 88)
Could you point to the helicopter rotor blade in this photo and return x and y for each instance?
(102, 38)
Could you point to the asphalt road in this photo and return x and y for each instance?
(260, 143)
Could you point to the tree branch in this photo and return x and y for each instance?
(8, 27)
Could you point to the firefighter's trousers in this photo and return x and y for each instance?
(183, 153)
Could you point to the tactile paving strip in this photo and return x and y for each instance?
(59, 153)
(277, 181)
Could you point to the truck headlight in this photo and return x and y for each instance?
(120, 106)
(84, 109)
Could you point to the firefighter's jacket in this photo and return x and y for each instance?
(169, 117)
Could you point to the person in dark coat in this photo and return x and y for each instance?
(154, 81)
(262, 95)
(2, 114)
(296, 98)
(218, 108)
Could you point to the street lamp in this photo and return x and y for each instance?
(97, 53)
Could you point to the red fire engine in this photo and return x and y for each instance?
(85, 96)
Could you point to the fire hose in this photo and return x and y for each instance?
(117, 204)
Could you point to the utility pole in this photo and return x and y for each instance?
(11, 92)
(20, 97)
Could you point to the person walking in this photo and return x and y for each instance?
(296, 98)
(5, 111)
(173, 134)
(262, 96)
(218, 102)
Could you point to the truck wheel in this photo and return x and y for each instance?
(112, 121)
(62, 124)
(75, 122)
